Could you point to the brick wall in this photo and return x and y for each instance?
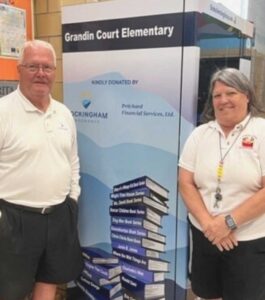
(47, 21)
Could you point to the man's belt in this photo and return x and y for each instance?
(40, 210)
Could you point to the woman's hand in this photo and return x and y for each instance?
(216, 230)
(219, 234)
(228, 243)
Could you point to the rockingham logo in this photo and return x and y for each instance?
(86, 103)
(86, 113)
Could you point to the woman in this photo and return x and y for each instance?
(222, 182)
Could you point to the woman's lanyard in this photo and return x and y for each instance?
(220, 168)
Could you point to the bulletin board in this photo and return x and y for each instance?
(16, 26)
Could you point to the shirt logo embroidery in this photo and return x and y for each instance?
(248, 141)
(62, 126)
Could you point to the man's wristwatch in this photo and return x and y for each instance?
(230, 222)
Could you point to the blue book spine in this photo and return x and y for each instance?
(151, 264)
(130, 185)
(128, 295)
(143, 181)
(141, 274)
(98, 256)
(87, 290)
(93, 294)
(106, 291)
(134, 249)
(106, 271)
(138, 231)
(144, 191)
(135, 222)
(136, 210)
(98, 279)
(141, 289)
(129, 230)
(157, 205)
(140, 241)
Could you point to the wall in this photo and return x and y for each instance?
(47, 18)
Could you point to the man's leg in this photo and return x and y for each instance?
(20, 249)
(44, 291)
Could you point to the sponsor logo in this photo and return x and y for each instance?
(86, 103)
(87, 112)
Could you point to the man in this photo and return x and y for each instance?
(39, 186)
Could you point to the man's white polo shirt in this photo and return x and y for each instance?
(39, 164)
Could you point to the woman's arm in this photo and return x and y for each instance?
(250, 209)
(224, 240)
(192, 198)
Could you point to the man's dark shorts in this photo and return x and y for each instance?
(238, 274)
(37, 247)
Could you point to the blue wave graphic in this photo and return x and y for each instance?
(132, 114)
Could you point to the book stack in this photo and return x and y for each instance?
(137, 209)
(100, 278)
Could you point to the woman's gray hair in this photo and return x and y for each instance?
(33, 44)
(237, 80)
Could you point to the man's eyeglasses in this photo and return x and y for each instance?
(34, 68)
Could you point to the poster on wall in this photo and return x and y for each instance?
(12, 30)
(16, 26)
(122, 71)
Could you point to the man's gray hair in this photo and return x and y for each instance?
(33, 44)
